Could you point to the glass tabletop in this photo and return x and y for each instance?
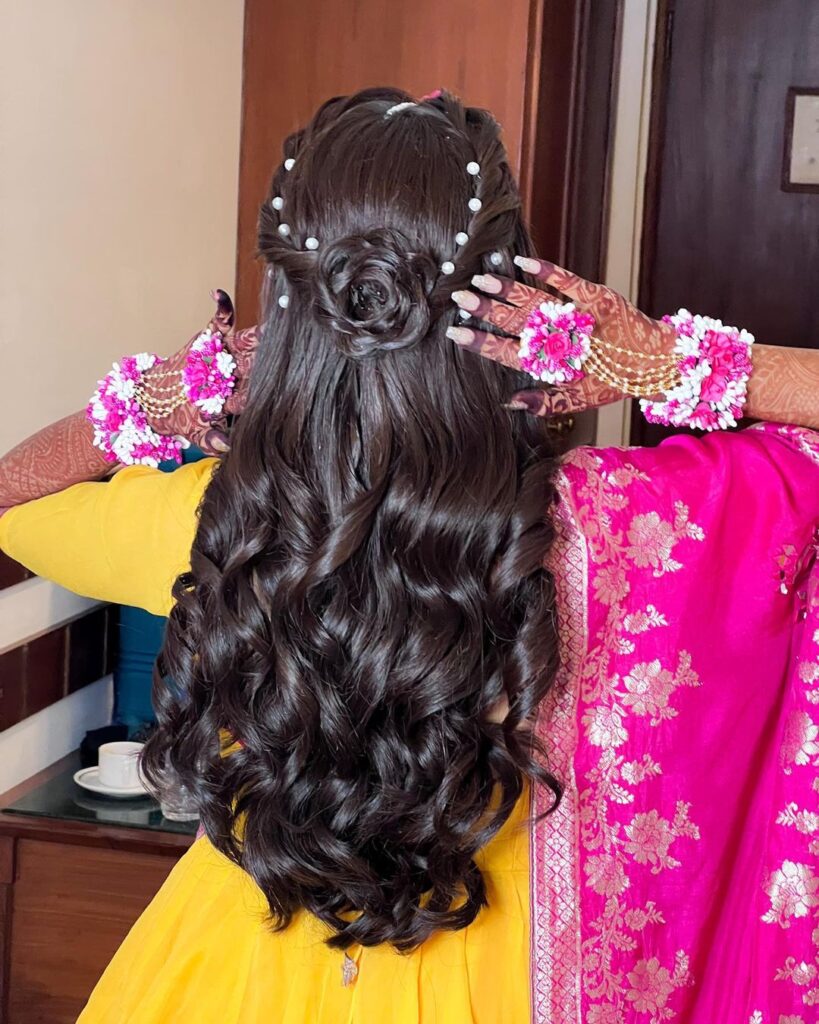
(62, 798)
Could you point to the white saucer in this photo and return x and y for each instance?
(89, 778)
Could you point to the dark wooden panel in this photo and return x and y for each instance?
(72, 909)
(6, 880)
(11, 572)
(45, 671)
(721, 236)
(37, 674)
(12, 687)
(87, 650)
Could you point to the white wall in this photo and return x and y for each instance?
(119, 154)
(119, 127)
(628, 171)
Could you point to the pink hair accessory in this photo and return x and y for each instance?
(121, 428)
(434, 95)
(715, 367)
(209, 376)
(555, 342)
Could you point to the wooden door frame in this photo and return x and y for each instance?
(569, 130)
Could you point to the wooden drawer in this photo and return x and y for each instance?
(71, 907)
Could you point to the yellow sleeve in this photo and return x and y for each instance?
(123, 541)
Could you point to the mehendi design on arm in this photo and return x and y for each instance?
(54, 458)
(784, 386)
(64, 454)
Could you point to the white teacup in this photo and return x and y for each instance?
(119, 764)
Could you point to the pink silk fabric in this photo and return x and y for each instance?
(679, 879)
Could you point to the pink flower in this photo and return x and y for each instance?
(713, 387)
(557, 345)
(704, 417)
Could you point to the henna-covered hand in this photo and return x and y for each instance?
(507, 305)
(784, 386)
(211, 435)
(60, 455)
(63, 453)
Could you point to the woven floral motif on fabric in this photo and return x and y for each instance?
(687, 850)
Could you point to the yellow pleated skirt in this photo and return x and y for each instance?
(203, 953)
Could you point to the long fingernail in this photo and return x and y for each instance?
(460, 335)
(466, 300)
(528, 264)
(529, 400)
(517, 406)
(487, 283)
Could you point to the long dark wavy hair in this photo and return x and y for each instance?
(367, 585)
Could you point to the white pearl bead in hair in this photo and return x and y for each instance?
(277, 202)
(289, 163)
(284, 301)
(475, 204)
(473, 168)
(496, 259)
(461, 238)
(284, 229)
(311, 243)
(448, 267)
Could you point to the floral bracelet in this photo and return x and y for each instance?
(120, 407)
(714, 363)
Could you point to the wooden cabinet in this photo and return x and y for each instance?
(69, 893)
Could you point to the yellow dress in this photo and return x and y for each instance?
(202, 952)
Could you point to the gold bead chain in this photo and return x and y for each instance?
(153, 402)
(645, 383)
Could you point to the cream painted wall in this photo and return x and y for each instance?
(119, 155)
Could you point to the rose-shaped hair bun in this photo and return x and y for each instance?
(374, 292)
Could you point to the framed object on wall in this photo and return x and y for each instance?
(800, 165)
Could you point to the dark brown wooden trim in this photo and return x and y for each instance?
(80, 833)
(7, 850)
(568, 130)
(594, 105)
(790, 109)
(56, 663)
(531, 105)
(547, 132)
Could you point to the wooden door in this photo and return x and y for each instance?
(544, 68)
(721, 236)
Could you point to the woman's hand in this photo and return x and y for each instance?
(507, 305)
(64, 453)
(187, 421)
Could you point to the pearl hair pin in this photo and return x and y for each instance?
(311, 243)
(399, 107)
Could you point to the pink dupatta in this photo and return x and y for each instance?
(679, 878)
